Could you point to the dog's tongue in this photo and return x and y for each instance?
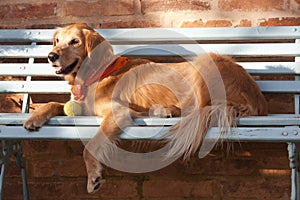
(57, 68)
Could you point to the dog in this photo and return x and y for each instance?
(210, 90)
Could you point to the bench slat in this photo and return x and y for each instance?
(279, 86)
(261, 49)
(262, 134)
(187, 34)
(165, 34)
(271, 120)
(25, 69)
(282, 49)
(280, 68)
(63, 87)
(34, 87)
(44, 69)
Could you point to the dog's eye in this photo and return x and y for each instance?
(57, 40)
(74, 42)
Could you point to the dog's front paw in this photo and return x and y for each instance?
(43, 114)
(35, 122)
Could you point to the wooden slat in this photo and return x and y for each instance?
(260, 134)
(25, 69)
(195, 34)
(26, 35)
(271, 120)
(45, 69)
(24, 51)
(63, 87)
(164, 34)
(279, 86)
(281, 49)
(34, 87)
(280, 68)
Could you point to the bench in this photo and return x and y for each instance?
(263, 51)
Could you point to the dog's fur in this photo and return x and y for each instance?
(141, 85)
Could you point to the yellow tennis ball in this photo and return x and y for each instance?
(72, 108)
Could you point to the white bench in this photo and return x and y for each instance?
(279, 46)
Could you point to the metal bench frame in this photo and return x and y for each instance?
(256, 41)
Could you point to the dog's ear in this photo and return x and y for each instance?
(92, 39)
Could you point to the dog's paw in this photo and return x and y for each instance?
(35, 122)
(95, 182)
(94, 172)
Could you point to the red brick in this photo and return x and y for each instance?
(129, 23)
(202, 189)
(82, 8)
(49, 190)
(245, 22)
(220, 166)
(173, 188)
(218, 23)
(118, 7)
(298, 2)
(267, 155)
(175, 169)
(34, 148)
(210, 23)
(173, 5)
(13, 170)
(285, 21)
(27, 11)
(249, 187)
(192, 24)
(112, 189)
(12, 189)
(68, 167)
(75, 147)
(251, 5)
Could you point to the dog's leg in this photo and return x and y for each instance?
(101, 148)
(43, 114)
(94, 171)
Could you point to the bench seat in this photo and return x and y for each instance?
(271, 54)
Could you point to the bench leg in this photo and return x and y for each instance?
(24, 181)
(18, 153)
(2, 179)
(293, 150)
(7, 150)
(3, 162)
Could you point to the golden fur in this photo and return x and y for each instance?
(141, 87)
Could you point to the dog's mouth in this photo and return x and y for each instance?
(67, 70)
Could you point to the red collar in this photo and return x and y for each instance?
(79, 90)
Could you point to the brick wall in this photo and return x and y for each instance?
(56, 169)
(148, 13)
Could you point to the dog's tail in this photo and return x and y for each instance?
(188, 135)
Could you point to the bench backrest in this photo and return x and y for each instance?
(261, 50)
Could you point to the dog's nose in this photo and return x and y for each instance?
(53, 56)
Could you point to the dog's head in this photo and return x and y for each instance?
(71, 45)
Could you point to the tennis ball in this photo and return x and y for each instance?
(72, 108)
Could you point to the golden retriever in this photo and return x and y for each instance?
(209, 90)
